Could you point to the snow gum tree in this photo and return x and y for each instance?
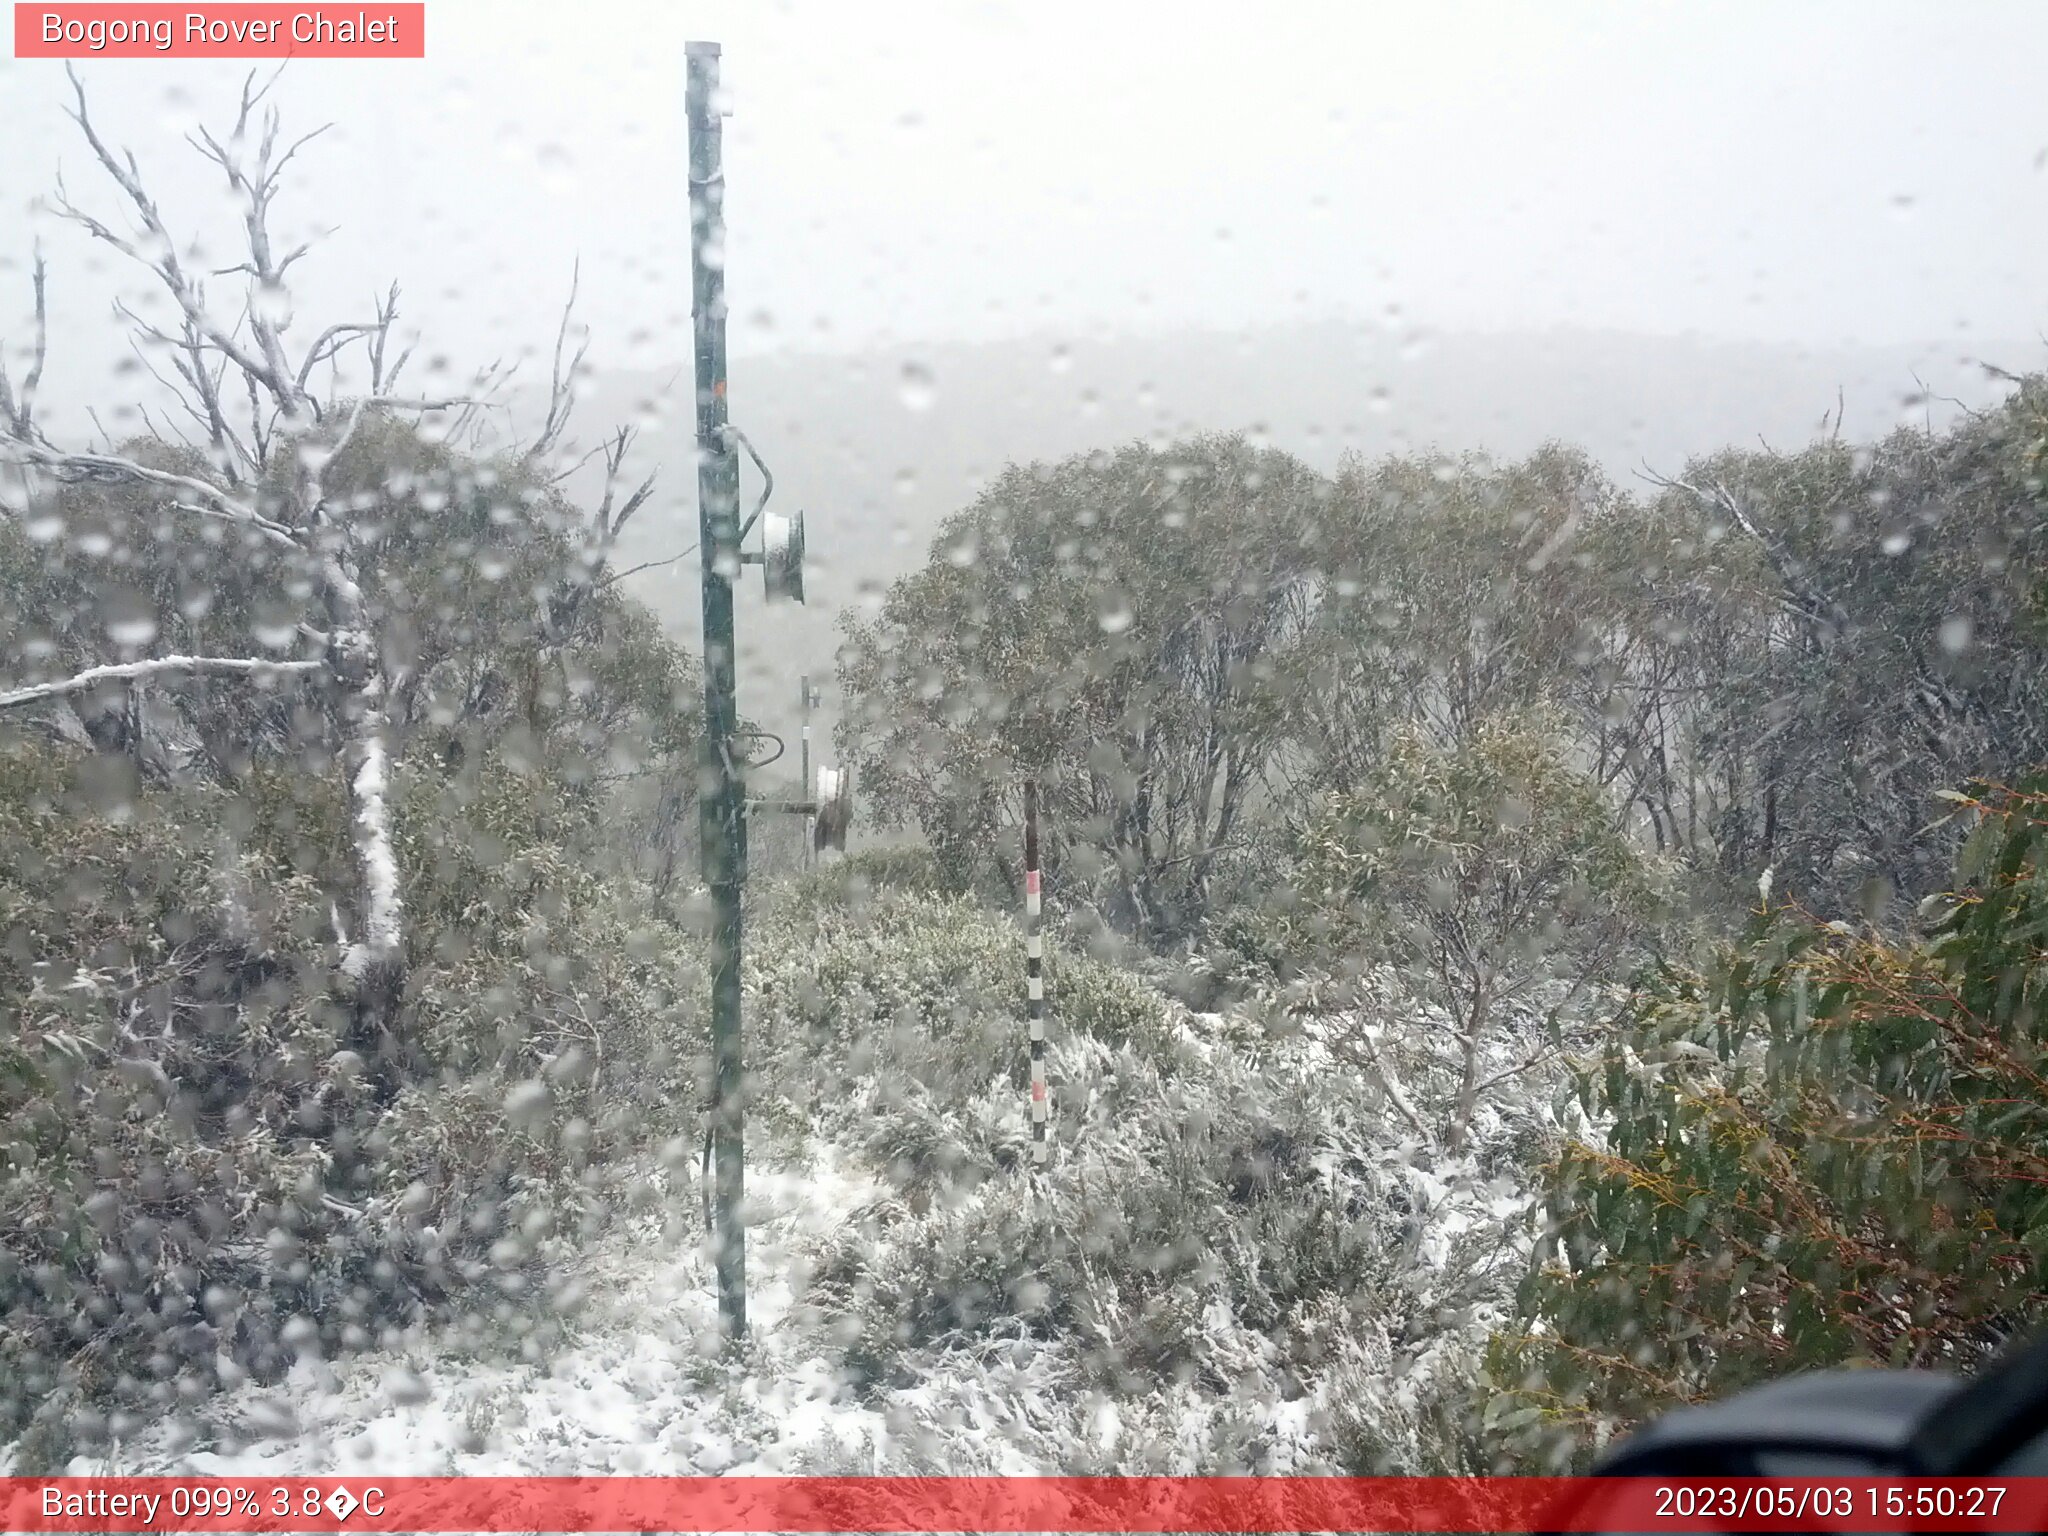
(1115, 624)
(1491, 875)
(262, 447)
(322, 943)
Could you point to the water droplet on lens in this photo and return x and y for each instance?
(917, 388)
(527, 1102)
(405, 1385)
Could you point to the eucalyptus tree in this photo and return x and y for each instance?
(1449, 590)
(1117, 625)
(1491, 876)
(1884, 641)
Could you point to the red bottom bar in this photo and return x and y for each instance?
(1020, 1504)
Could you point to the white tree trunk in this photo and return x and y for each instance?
(375, 961)
(378, 955)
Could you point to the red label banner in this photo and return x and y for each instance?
(1019, 1504)
(215, 31)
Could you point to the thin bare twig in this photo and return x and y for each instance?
(646, 565)
(18, 409)
(561, 384)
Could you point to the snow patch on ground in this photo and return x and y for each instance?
(639, 1388)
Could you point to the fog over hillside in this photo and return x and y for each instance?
(879, 448)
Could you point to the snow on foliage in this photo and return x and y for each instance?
(1235, 1263)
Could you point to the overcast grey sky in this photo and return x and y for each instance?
(1819, 173)
(1842, 194)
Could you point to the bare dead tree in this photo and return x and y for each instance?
(210, 362)
(244, 394)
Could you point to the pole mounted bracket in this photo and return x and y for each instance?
(732, 434)
(781, 555)
(831, 803)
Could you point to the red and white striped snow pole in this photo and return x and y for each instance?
(1034, 973)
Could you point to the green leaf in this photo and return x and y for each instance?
(1977, 850)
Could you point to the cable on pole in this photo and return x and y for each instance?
(755, 733)
(767, 480)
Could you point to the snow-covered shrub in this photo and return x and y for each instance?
(206, 1169)
(866, 1004)
(1228, 1211)
(1816, 1147)
(863, 876)
(1198, 1235)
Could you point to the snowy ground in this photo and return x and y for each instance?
(639, 1387)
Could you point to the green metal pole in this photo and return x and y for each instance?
(721, 795)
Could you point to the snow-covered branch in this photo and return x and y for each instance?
(160, 666)
(256, 186)
(330, 342)
(213, 500)
(1365, 1037)
(159, 252)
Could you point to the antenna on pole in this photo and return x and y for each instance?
(721, 814)
(826, 803)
